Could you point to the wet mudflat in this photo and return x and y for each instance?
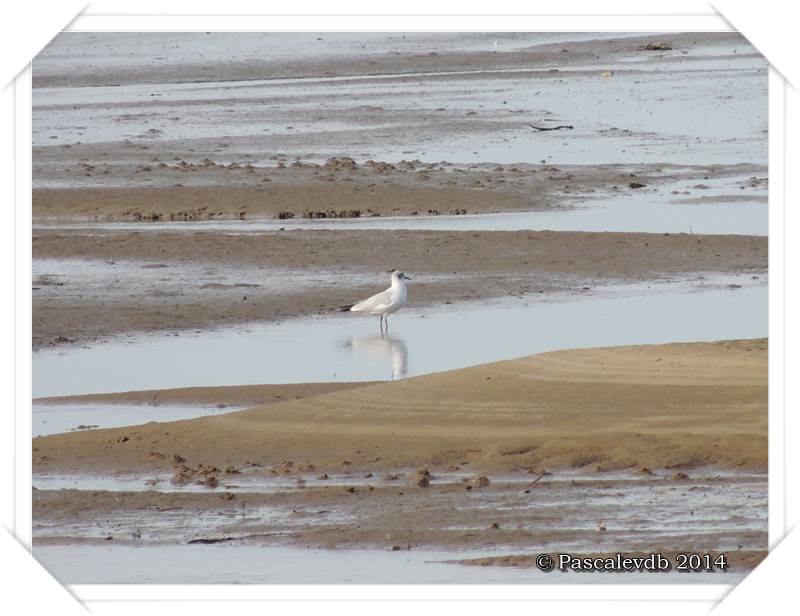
(197, 211)
(297, 516)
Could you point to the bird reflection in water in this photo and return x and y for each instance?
(383, 347)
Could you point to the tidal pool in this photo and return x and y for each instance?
(347, 347)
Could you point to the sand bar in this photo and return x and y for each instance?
(235, 395)
(678, 405)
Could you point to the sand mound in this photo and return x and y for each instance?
(679, 405)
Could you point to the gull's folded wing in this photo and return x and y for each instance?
(373, 303)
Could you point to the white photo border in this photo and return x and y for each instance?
(702, 594)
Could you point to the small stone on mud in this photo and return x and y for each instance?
(679, 477)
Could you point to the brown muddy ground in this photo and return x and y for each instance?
(163, 189)
(398, 515)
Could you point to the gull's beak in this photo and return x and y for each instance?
(406, 277)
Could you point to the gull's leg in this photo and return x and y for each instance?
(387, 323)
(381, 323)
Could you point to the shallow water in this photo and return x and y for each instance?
(57, 418)
(725, 509)
(261, 481)
(347, 347)
(707, 106)
(248, 564)
(625, 214)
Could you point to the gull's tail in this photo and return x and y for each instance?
(345, 308)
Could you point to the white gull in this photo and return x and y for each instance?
(383, 303)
